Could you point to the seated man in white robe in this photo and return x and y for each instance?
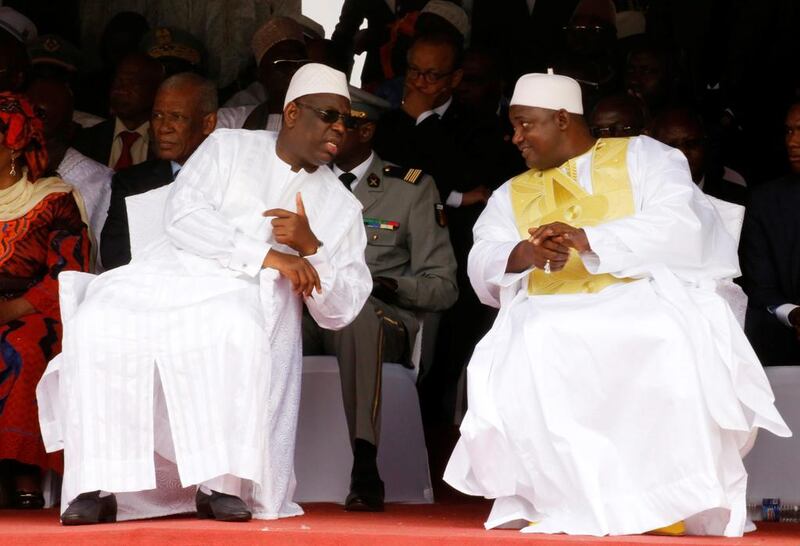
(205, 323)
(615, 393)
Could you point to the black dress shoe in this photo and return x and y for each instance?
(366, 488)
(25, 500)
(89, 508)
(365, 496)
(221, 507)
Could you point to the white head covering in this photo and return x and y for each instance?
(450, 12)
(630, 23)
(16, 24)
(550, 91)
(314, 78)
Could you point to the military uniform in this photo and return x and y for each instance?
(407, 241)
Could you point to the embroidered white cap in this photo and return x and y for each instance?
(551, 91)
(450, 12)
(16, 24)
(314, 78)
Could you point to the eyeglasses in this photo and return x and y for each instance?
(614, 131)
(429, 76)
(584, 28)
(687, 143)
(172, 117)
(290, 63)
(329, 116)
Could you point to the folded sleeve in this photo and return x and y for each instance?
(344, 276)
(495, 235)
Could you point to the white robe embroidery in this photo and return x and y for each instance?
(222, 335)
(623, 411)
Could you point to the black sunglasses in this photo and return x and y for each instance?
(329, 116)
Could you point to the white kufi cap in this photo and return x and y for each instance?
(550, 91)
(16, 24)
(450, 12)
(314, 78)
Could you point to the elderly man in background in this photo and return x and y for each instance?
(206, 322)
(184, 114)
(615, 392)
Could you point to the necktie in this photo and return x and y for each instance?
(125, 158)
(347, 179)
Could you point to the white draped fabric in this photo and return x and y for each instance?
(233, 117)
(195, 314)
(93, 181)
(623, 411)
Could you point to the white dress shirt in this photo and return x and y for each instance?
(138, 149)
(454, 198)
(358, 171)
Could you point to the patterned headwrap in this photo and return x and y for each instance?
(23, 132)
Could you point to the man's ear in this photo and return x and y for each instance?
(562, 119)
(366, 131)
(457, 77)
(290, 114)
(209, 123)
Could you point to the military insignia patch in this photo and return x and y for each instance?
(441, 217)
(373, 181)
(412, 176)
(377, 223)
(51, 45)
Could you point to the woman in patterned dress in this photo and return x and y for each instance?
(42, 233)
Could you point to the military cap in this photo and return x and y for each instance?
(170, 42)
(366, 106)
(54, 50)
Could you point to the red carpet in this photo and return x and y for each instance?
(451, 523)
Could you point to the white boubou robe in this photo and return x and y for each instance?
(195, 317)
(626, 410)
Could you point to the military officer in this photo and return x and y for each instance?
(413, 270)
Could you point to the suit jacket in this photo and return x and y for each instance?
(725, 190)
(95, 142)
(461, 150)
(115, 245)
(770, 258)
(417, 253)
(378, 17)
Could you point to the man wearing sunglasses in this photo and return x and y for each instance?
(413, 270)
(213, 309)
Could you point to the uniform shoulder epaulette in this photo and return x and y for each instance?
(412, 176)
